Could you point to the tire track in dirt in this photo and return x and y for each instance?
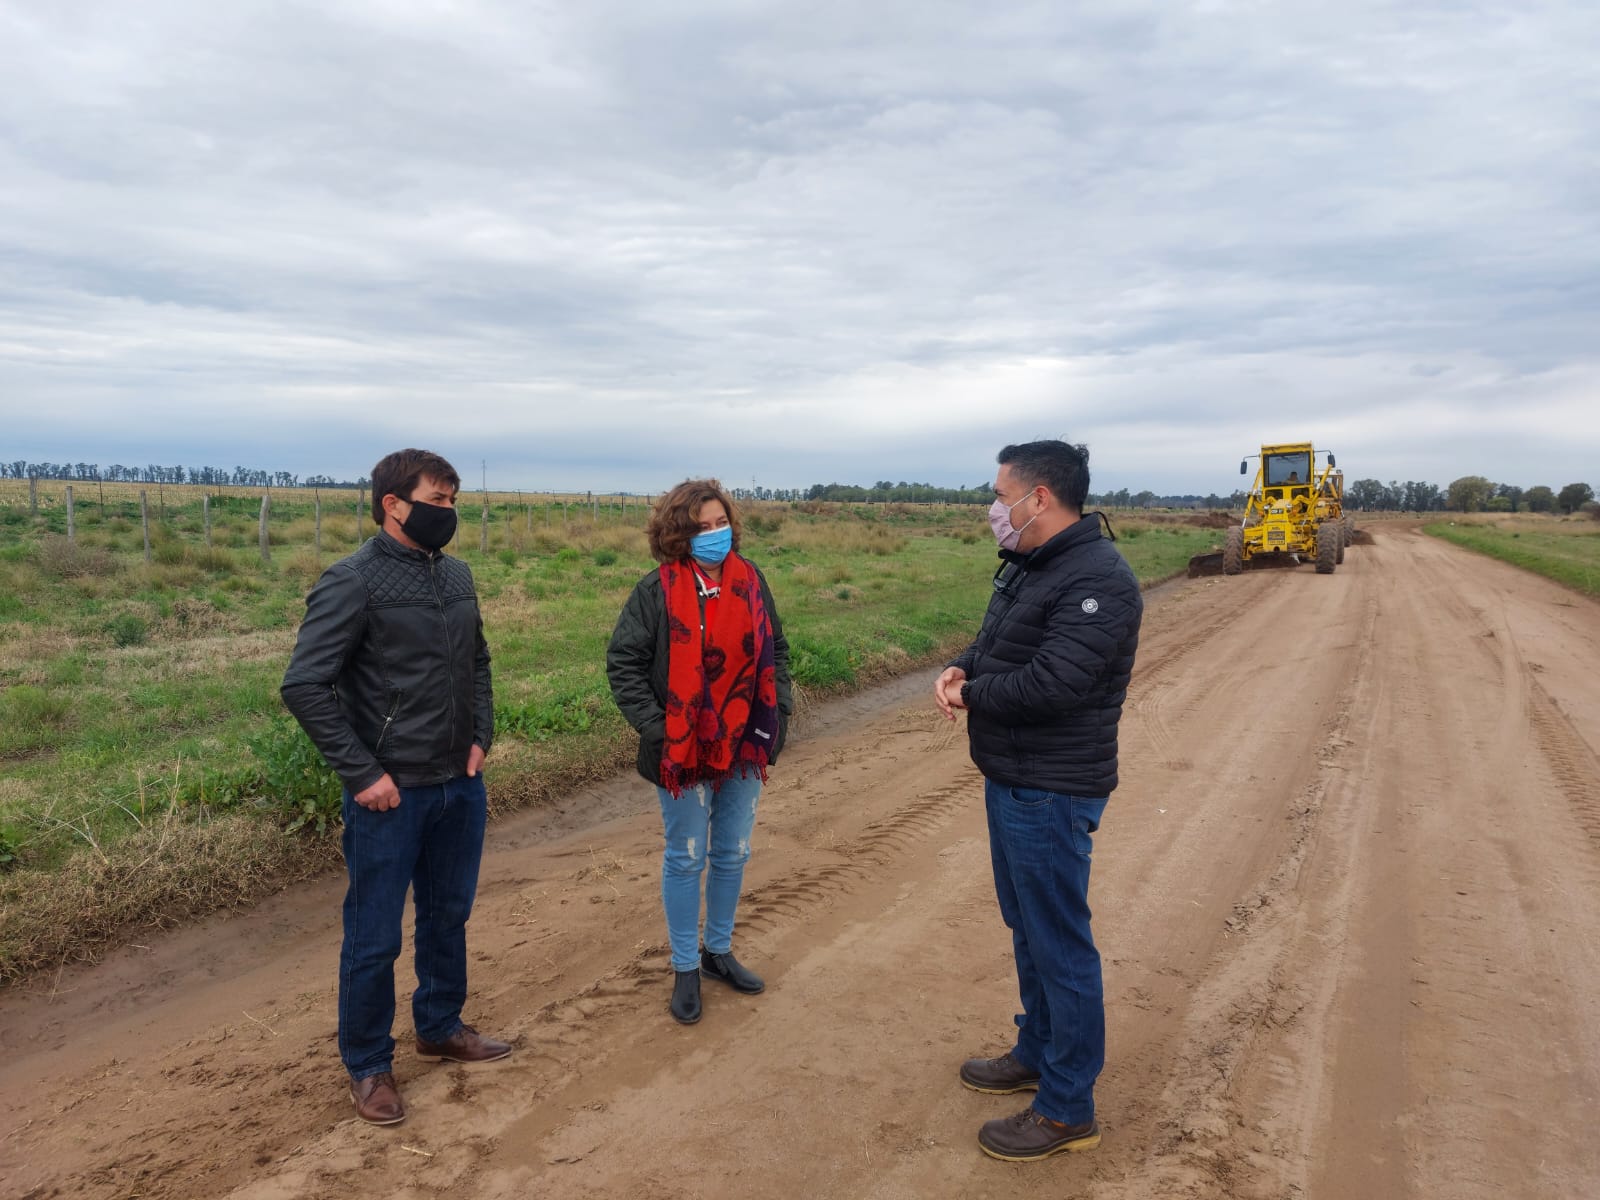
(1244, 995)
(572, 1029)
(1572, 764)
(577, 1048)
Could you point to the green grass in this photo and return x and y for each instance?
(134, 695)
(1565, 551)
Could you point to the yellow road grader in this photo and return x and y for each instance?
(1291, 514)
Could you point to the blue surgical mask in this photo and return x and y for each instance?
(712, 547)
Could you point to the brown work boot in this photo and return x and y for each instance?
(998, 1076)
(377, 1099)
(1028, 1136)
(465, 1045)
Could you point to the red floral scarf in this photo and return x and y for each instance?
(722, 684)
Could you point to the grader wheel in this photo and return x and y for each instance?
(1233, 551)
(1327, 547)
(1339, 533)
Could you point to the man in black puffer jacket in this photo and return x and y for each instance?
(390, 680)
(1043, 688)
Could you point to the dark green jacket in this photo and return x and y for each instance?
(636, 664)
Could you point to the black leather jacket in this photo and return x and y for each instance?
(1049, 671)
(390, 671)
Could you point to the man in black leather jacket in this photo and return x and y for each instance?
(1043, 687)
(390, 680)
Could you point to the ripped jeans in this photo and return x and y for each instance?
(705, 823)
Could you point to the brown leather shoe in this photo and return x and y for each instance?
(465, 1045)
(377, 1099)
(1028, 1136)
(998, 1076)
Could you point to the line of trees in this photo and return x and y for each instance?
(1474, 493)
(211, 476)
(885, 492)
(1470, 493)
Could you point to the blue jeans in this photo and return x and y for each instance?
(431, 843)
(1040, 845)
(705, 823)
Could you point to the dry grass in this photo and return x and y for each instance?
(163, 874)
(60, 558)
(1524, 522)
(842, 537)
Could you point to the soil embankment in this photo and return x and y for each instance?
(1348, 897)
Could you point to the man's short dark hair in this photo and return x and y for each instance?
(400, 472)
(1060, 466)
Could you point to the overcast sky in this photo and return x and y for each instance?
(611, 245)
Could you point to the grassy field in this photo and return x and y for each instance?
(149, 773)
(1564, 549)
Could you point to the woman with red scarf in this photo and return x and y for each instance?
(699, 666)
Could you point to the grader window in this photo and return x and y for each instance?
(1287, 469)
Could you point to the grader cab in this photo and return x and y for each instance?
(1292, 513)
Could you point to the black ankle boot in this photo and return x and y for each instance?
(730, 971)
(686, 997)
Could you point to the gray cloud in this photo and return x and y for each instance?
(608, 248)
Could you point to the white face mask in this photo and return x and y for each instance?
(1000, 522)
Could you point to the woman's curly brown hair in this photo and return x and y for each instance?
(674, 520)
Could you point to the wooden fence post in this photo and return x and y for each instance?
(144, 520)
(161, 500)
(72, 529)
(205, 516)
(318, 502)
(266, 546)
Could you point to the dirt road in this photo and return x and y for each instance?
(1348, 897)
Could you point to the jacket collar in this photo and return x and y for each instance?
(388, 544)
(1085, 529)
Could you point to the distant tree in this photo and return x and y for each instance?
(1574, 496)
(1428, 497)
(1511, 494)
(1365, 494)
(1470, 493)
(1540, 499)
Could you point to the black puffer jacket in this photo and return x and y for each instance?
(390, 671)
(1049, 671)
(636, 664)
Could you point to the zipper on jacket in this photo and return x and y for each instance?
(449, 650)
(1013, 593)
(394, 710)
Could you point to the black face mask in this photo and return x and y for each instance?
(430, 526)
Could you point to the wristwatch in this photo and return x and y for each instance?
(966, 693)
